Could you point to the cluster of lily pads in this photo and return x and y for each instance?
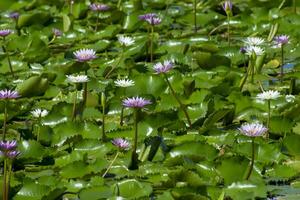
(149, 100)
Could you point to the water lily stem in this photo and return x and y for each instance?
(97, 22)
(134, 156)
(151, 43)
(119, 4)
(182, 106)
(74, 105)
(8, 60)
(110, 165)
(84, 93)
(103, 102)
(269, 113)
(282, 63)
(295, 7)
(4, 121)
(114, 66)
(195, 16)
(122, 116)
(252, 160)
(228, 29)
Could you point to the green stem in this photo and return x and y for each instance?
(151, 43)
(74, 105)
(112, 162)
(9, 61)
(9, 166)
(103, 117)
(71, 2)
(134, 156)
(228, 29)
(252, 160)
(38, 129)
(269, 113)
(119, 4)
(4, 195)
(295, 7)
(114, 66)
(97, 22)
(4, 120)
(85, 93)
(122, 116)
(195, 16)
(282, 63)
(182, 106)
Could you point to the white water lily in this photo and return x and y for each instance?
(290, 98)
(254, 41)
(124, 83)
(254, 49)
(39, 113)
(77, 79)
(268, 95)
(125, 41)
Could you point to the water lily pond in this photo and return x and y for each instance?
(149, 99)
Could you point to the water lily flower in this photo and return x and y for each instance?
(99, 7)
(254, 49)
(151, 18)
(268, 95)
(253, 129)
(281, 40)
(164, 67)
(8, 94)
(254, 41)
(5, 32)
(84, 55)
(135, 102)
(8, 145)
(290, 98)
(56, 32)
(125, 41)
(39, 113)
(77, 78)
(124, 83)
(227, 6)
(14, 15)
(121, 143)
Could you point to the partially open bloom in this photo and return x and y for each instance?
(268, 95)
(8, 149)
(5, 32)
(8, 94)
(14, 15)
(124, 83)
(281, 40)
(125, 41)
(151, 18)
(253, 129)
(77, 79)
(227, 6)
(135, 102)
(84, 55)
(254, 49)
(164, 67)
(121, 143)
(57, 32)
(254, 41)
(39, 113)
(99, 7)
(290, 98)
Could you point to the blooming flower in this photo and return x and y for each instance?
(5, 32)
(281, 40)
(268, 95)
(151, 18)
(125, 41)
(290, 98)
(163, 67)
(39, 113)
(121, 143)
(254, 49)
(83, 55)
(99, 7)
(8, 145)
(253, 129)
(57, 32)
(227, 6)
(14, 15)
(8, 94)
(124, 83)
(254, 41)
(77, 79)
(135, 102)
